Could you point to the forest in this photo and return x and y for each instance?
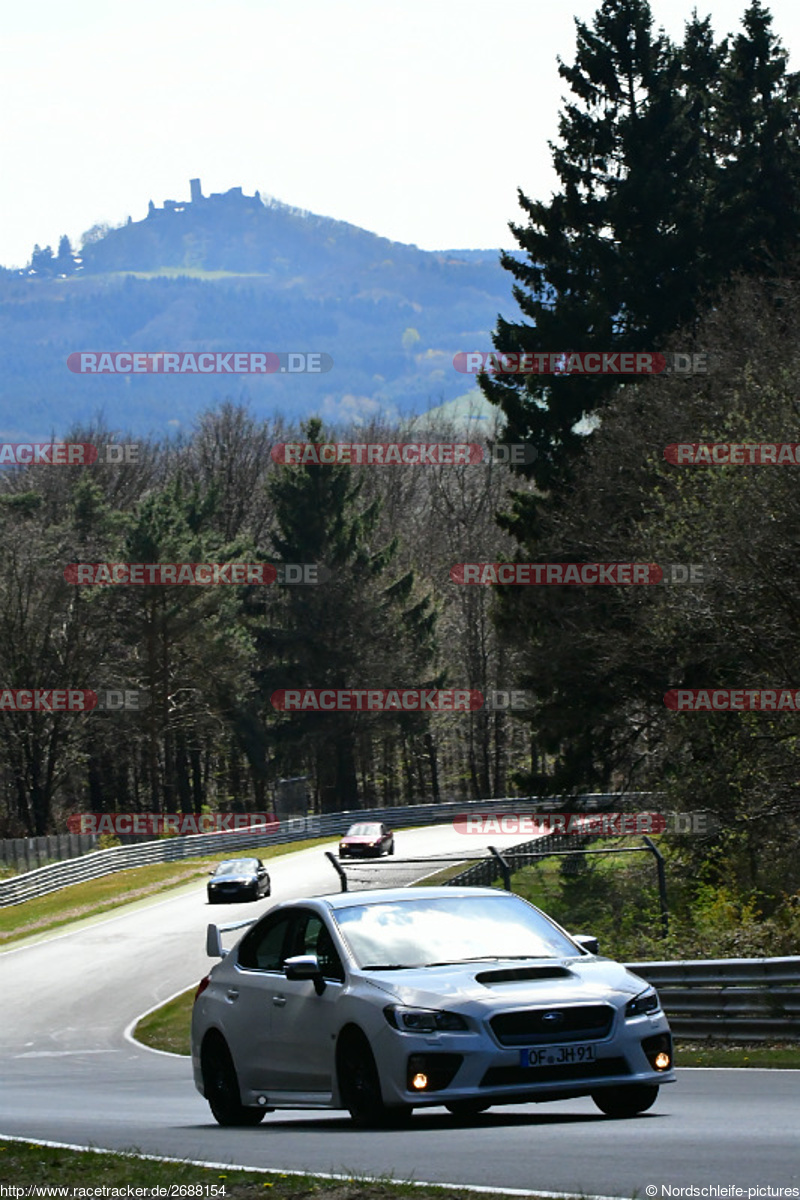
(675, 230)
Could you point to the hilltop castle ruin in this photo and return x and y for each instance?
(233, 196)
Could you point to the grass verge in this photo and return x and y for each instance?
(24, 1164)
(438, 878)
(168, 1027)
(97, 896)
(781, 1055)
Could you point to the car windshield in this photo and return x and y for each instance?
(237, 866)
(435, 932)
(364, 830)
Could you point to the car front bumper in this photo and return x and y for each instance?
(492, 1074)
(230, 894)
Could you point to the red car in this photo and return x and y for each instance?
(367, 839)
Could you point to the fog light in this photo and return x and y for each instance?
(659, 1051)
(431, 1072)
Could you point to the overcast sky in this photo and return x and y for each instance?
(416, 120)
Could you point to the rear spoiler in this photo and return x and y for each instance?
(214, 933)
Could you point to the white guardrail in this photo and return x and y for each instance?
(43, 880)
(735, 999)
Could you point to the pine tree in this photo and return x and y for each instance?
(195, 657)
(42, 260)
(64, 262)
(667, 157)
(759, 147)
(363, 627)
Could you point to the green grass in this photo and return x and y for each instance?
(168, 1028)
(97, 896)
(721, 1054)
(24, 1164)
(441, 877)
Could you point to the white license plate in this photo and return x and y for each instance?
(556, 1056)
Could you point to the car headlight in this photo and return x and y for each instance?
(646, 1002)
(423, 1020)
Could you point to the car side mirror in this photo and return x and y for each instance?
(305, 966)
(586, 941)
(214, 947)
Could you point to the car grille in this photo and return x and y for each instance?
(581, 1023)
(506, 1076)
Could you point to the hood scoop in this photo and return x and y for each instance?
(522, 974)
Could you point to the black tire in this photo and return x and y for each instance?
(467, 1108)
(221, 1087)
(391, 848)
(626, 1101)
(359, 1085)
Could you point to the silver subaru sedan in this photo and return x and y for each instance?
(385, 1001)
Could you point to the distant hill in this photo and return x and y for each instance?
(231, 272)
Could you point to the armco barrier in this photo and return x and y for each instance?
(487, 870)
(735, 999)
(103, 862)
(27, 853)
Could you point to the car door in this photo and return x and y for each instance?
(248, 1024)
(304, 1024)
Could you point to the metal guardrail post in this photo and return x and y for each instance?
(505, 869)
(662, 885)
(337, 866)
